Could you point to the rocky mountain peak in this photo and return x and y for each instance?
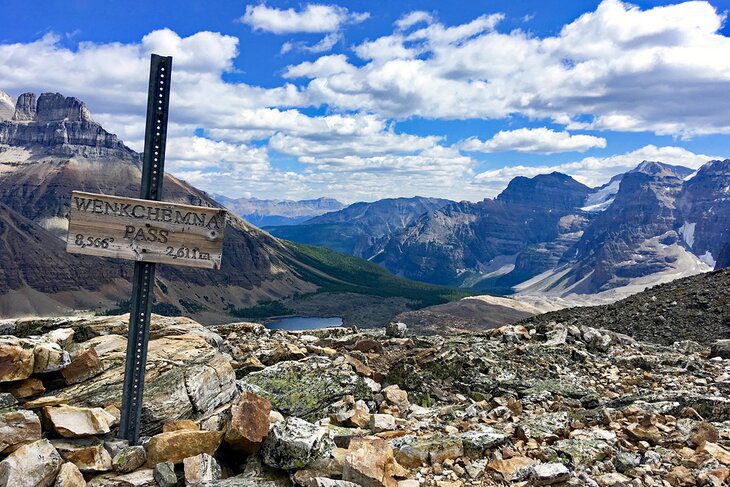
(552, 191)
(50, 107)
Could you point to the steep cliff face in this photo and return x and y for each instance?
(550, 191)
(264, 213)
(704, 203)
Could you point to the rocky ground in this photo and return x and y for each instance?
(239, 405)
(694, 308)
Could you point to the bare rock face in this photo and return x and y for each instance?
(55, 106)
(32, 465)
(201, 468)
(25, 108)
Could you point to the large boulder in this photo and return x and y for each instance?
(33, 465)
(306, 388)
(295, 443)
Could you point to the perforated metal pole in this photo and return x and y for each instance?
(153, 165)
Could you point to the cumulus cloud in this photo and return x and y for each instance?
(313, 18)
(664, 70)
(539, 140)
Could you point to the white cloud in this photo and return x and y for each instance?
(412, 18)
(313, 18)
(594, 171)
(323, 66)
(664, 70)
(538, 140)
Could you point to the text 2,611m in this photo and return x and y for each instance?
(186, 253)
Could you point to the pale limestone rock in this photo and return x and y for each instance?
(49, 357)
(33, 465)
(88, 454)
(72, 422)
(69, 476)
(211, 384)
(18, 428)
(382, 422)
(139, 478)
(549, 473)
(201, 468)
(16, 358)
(396, 397)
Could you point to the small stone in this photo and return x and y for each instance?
(72, 422)
(88, 454)
(249, 424)
(32, 465)
(18, 428)
(382, 422)
(174, 446)
(325, 482)
(201, 468)
(16, 359)
(549, 473)
(164, 474)
(396, 330)
(129, 459)
(625, 461)
(83, 367)
(69, 476)
(702, 433)
(295, 443)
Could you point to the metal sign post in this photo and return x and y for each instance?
(145, 230)
(153, 167)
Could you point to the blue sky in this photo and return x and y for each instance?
(363, 100)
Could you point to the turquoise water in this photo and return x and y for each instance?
(298, 323)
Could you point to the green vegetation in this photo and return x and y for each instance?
(123, 306)
(263, 309)
(339, 273)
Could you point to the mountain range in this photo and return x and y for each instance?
(50, 145)
(264, 213)
(548, 235)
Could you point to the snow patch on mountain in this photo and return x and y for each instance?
(603, 197)
(708, 259)
(687, 231)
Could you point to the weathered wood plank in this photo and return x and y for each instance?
(145, 230)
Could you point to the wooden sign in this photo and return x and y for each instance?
(145, 230)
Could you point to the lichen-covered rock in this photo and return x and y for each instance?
(430, 450)
(306, 388)
(88, 454)
(249, 423)
(129, 458)
(174, 446)
(164, 474)
(477, 441)
(33, 465)
(49, 357)
(295, 443)
(138, 478)
(18, 427)
(72, 421)
(548, 473)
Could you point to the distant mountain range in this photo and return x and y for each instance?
(548, 235)
(360, 228)
(264, 213)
